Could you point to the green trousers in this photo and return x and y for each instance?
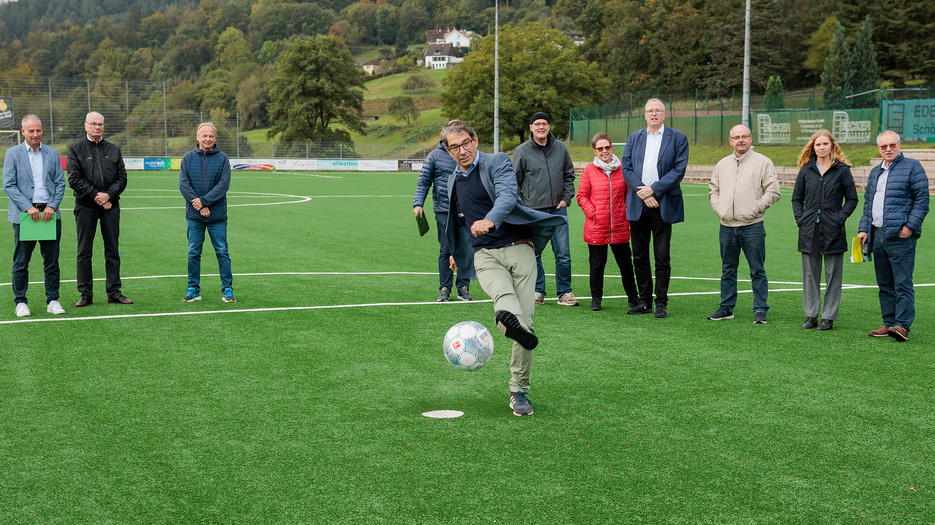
(508, 276)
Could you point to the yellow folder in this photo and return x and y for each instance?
(857, 251)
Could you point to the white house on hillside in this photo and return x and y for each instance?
(440, 56)
(456, 37)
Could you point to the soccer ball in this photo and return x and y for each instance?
(468, 346)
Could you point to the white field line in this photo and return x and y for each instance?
(298, 199)
(360, 305)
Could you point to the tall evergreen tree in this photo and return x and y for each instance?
(773, 99)
(836, 77)
(864, 67)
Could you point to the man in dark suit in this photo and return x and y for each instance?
(33, 179)
(654, 163)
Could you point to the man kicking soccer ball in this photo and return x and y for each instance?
(486, 221)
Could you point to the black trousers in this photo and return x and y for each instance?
(597, 257)
(651, 226)
(86, 221)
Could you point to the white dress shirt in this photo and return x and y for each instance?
(651, 156)
(40, 192)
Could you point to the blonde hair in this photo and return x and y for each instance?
(809, 151)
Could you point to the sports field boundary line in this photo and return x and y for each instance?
(362, 305)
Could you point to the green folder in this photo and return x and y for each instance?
(423, 224)
(35, 231)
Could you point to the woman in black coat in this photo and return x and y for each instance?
(823, 198)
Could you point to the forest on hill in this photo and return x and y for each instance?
(221, 54)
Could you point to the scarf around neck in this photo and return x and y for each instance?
(607, 167)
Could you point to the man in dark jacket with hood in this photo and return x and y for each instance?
(204, 178)
(97, 175)
(437, 167)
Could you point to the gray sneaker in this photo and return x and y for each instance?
(568, 299)
(443, 295)
(759, 317)
(540, 298)
(520, 404)
(464, 295)
(722, 313)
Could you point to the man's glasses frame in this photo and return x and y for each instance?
(466, 145)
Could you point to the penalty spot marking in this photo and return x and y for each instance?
(443, 414)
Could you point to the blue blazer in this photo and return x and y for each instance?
(499, 179)
(673, 159)
(19, 185)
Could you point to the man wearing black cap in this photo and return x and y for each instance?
(546, 179)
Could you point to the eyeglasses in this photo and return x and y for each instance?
(893, 146)
(654, 111)
(741, 137)
(95, 124)
(466, 145)
(603, 148)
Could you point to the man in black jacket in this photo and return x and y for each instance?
(98, 176)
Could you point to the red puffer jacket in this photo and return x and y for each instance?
(603, 200)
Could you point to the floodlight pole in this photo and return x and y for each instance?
(496, 78)
(746, 68)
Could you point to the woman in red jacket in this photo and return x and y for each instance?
(602, 195)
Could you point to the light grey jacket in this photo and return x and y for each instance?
(19, 185)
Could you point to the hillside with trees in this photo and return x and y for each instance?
(224, 54)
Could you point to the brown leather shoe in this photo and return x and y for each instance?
(880, 332)
(84, 301)
(899, 333)
(119, 299)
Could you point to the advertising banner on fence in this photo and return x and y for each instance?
(296, 164)
(253, 164)
(378, 165)
(133, 163)
(6, 114)
(337, 164)
(914, 119)
(853, 126)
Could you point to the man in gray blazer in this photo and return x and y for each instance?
(489, 226)
(33, 179)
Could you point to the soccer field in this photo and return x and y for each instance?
(302, 401)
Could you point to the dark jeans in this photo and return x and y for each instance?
(597, 256)
(752, 241)
(445, 275)
(22, 254)
(893, 263)
(86, 220)
(196, 239)
(651, 225)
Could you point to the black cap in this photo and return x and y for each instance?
(539, 115)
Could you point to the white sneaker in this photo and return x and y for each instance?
(568, 300)
(22, 310)
(55, 308)
(540, 298)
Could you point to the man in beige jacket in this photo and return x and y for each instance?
(743, 185)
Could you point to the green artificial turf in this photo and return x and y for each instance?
(302, 402)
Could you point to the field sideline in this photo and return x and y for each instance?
(302, 402)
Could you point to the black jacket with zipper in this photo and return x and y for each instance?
(826, 201)
(95, 167)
